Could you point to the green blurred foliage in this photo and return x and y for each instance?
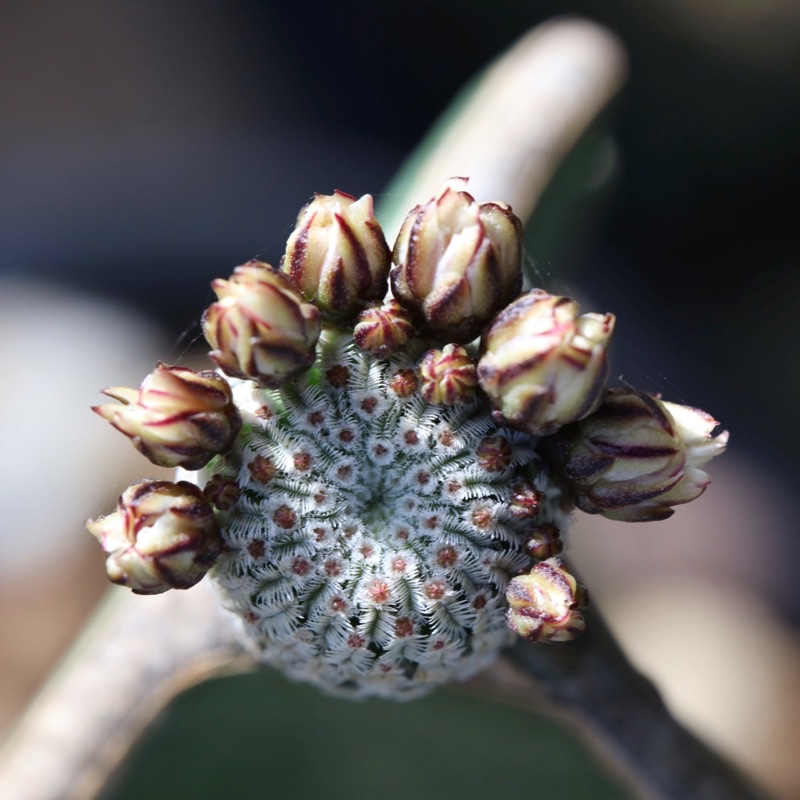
(257, 735)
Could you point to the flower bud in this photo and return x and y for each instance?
(456, 262)
(541, 364)
(162, 536)
(543, 605)
(382, 330)
(337, 255)
(636, 456)
(178, 417)
(404, 383)
(494, 453)
(221, 492)
(261, 328)
(544, 541)
(525, 499)
(449, 376)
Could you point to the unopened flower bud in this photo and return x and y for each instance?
(636, 457)
(221, 492)
(404, 383)
(260, 328)
(544, 541)
(337, 255)
(177, 418)
(457, 263)
(382, 330)
(542, 365)
(525, 499)
(449, 376)
(494, 453)
(162, 536)
(543, 606)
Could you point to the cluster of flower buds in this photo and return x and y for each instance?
(261, 328)
(637, 456)
(177, 418)
(542, 365)
(544, 605)
(424, 413)
(337, 255)
(162, 536)
(457, 263)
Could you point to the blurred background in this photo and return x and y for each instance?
(146, 148)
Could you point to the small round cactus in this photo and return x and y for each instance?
(375, 537)
(380, 513)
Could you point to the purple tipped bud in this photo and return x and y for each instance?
(404, 383)
(449, 376)
(636, 457)
(382, 330)
(543, 606)
(260, 328)
(222, 493)
(337, 255)
(525, 499)
(542, 365)
(494, 453)
(177, 418)
(544, 541)
(457, 263)
(162, 536)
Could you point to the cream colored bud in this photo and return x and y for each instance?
(543, 606)
(337, 255)
(542, 365)
(177, 418)
(382, 330)
(162, 536)
(457, 263)
(260, 328)
(636, 457)
(449, 376)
